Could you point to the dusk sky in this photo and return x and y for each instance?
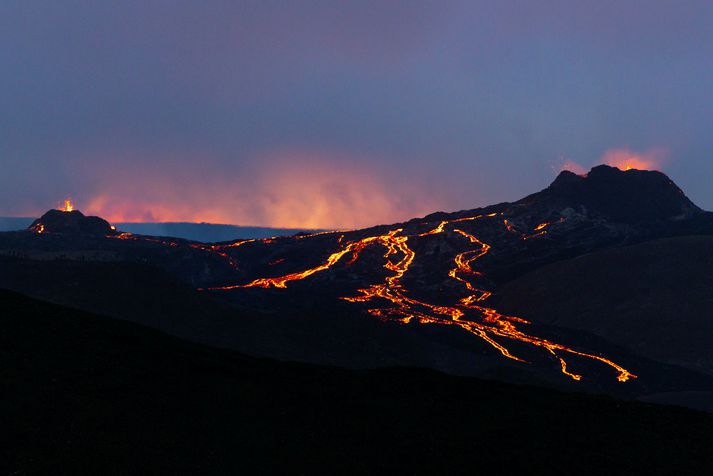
(342, 114)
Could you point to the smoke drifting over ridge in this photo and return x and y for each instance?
(285, 189)
(280, 188)
(623, 159)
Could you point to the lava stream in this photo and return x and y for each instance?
(468, 314)
(281, 281)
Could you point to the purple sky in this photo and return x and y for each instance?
(341, 114)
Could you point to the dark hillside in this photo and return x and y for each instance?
(83, 394)
(655, 298)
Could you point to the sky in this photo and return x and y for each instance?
(333, 114)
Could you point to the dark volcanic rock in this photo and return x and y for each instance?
(74, 222)
(307, 320)
(632, 196)
(653, 297)
(91, 395)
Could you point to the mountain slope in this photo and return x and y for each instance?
(632, 196)
(655, 298)
(418, 293)
(84, 394)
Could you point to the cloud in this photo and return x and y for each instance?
(477, 96)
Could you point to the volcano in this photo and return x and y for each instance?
(631, 196)
(420, 293)
(71, 222)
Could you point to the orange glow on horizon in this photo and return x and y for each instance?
(289, 190)
(573, 167)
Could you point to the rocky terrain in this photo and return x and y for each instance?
(85, 394)
(424, 293)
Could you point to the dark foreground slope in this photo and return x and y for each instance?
(655, 298)
(83, 394)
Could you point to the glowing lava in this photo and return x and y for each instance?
(281, 282)
(68, 206)
(390, 299)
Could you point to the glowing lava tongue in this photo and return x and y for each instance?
(391, 300)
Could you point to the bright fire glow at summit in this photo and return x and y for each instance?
(625, 159)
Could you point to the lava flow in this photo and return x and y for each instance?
(391, 300)
(281, 282)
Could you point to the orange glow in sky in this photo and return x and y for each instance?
(621, 158)
(626, 159)
(284, 188)
(288, 189)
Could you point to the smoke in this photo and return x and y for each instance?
(626, 159)
(622, 158)
(286, 188)
(570, 165)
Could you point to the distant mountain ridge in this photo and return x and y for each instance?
(203, 232)
(605, 192)
(633, 196)
(15, 223)
(208, 232)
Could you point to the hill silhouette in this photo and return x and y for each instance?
(653, 297)
(72, 223)
(631, 196)
(85, 394)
